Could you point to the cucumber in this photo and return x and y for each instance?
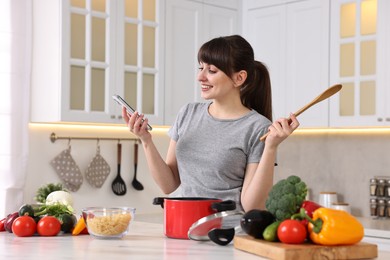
(271, 232)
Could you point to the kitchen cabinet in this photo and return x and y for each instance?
(188, 25)
(292, 39)
(86, 51)
(360, 58)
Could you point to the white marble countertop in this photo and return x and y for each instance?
(144, 241)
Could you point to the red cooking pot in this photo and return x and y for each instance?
(181, 213)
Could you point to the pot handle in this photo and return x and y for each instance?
(221, 236)
(159, 201)
(224, 205)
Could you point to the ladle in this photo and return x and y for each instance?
(136, 184)
(324, 95)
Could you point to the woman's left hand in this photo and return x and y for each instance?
(281, 129)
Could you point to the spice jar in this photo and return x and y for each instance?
(388, 208)
(380, 191)
(373, 186)
(381, 208)
(388, 188)
(373, 207)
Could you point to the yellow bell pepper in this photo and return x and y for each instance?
(334, 227)
(80, 227)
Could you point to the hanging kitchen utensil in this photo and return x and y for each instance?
(324, 95)
(97, 170)
(136, 184)
(118, 185)
(67, 169)
(219, 227)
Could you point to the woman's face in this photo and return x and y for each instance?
(214, 82)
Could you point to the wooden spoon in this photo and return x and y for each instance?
(324, 95)
(118, 185)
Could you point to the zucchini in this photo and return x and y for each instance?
(67, 222)
(271, 232)
(26, 210)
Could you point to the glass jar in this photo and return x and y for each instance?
(380, 191)
(374, 207)
(381, 208)
(388, 188)
(373, 186)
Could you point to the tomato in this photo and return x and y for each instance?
(49, 226)
(24, 226)
(2, 228)
(292, 232)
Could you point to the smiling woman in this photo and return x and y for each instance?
(15, 57)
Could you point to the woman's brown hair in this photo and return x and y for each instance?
(232, 54)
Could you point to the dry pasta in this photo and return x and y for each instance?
(109, 225)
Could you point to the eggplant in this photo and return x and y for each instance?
(255, 221)
(9, 220)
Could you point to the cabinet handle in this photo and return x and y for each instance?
(112, 116)
(119, 117)
(380, 119)
(387, 119)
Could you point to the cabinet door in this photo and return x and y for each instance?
(296, 54)
(265, 29)
(183, 22)
(360, 58)
(307, 60)
(188, 25)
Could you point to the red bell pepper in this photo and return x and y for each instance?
(310, 207)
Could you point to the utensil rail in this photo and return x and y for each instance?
(54, 137)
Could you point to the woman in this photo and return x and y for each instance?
(215, 149)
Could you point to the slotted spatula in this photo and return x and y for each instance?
(118, 184)
(324, 95)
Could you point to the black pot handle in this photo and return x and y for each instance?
(159, 201)
(221, 236)
(224, 205)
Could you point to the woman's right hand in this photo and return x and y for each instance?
(137, 124)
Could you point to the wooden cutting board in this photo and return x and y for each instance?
(276, 250)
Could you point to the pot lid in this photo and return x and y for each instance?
(221, 224)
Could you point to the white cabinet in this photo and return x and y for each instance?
(360, 58)
(86, 51)
(188, 25)
(292, 40)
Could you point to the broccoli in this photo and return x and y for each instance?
(286, 197)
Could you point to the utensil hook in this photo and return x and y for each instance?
(98, 146)
(69, 146)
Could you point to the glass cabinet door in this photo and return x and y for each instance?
(113, 49)
(356, 59)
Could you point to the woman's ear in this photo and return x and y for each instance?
(240, 77)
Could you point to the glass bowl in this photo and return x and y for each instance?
(108, 223)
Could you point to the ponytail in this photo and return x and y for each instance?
(256, 93)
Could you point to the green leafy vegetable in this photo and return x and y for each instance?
(286, 197)
(55, 210)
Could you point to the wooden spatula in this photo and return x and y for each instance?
(324, 95)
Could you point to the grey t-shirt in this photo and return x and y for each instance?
(212, 154)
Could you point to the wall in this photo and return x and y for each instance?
(337, 160)
(42, 151)
(334, 160)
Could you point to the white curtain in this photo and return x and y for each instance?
(15, 68)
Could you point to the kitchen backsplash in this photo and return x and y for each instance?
(339, 162)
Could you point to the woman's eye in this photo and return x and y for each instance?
(212, 71)
(200, 68)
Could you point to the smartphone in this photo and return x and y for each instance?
(129, 109)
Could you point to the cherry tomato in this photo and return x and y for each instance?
(24, 226)
(2, 228)
(292, 232)
(48, 226)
